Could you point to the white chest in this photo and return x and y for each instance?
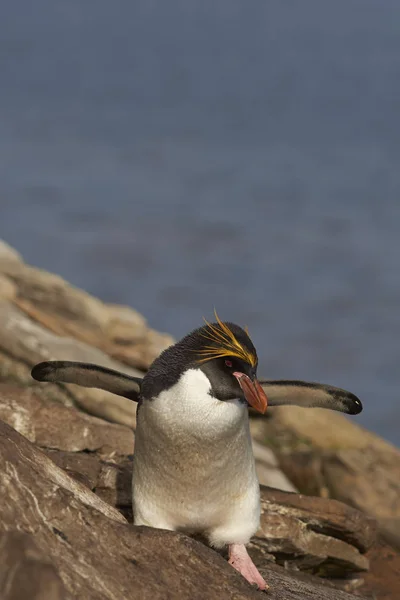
(193, 457)
(189, 407)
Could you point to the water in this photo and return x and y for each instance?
(181, 155)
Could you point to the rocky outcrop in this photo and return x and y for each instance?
(26, 571)
(65, 515)
(326, 454)
(68, 311)
(52, 425)
(383, 580)
(312, 534)
(59, 540)
(42, 317)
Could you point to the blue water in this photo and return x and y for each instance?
(181, 155)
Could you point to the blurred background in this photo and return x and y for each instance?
(180, 155)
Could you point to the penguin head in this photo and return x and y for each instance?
(233, 378)
(228, 358)
(224, 352)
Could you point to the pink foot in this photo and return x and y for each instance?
(241, 561)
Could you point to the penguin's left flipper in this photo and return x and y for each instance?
(310, 395)
(88, 375)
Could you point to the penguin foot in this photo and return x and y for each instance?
(241, 561)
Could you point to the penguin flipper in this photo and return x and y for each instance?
(88, 375)
(310, 395)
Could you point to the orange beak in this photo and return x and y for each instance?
(253, 392)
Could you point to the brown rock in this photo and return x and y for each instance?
(131, 340)
(268, 471)
(142, 353)
(323, 515)
(297, 546)
(8, 254)
(125, 325)
(97, 556)
(15, 372)
(295, 586)
(82, 546)
(27, 342)
(325, 453)
(366, 479)
(52, 425)
(8, 289)
(318, 428)
(383, 580)
(50, 295)
(313, 534)
(390, 531)
(25, 571)
(112, 481)
(67, 311)
(22, 462)
(83, 466)
(304, 469)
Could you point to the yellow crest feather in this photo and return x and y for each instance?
(226, 343)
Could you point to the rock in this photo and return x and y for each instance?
(64, 541)
(268, 471)
(297, 546)
(324, 453)
(365, 479)
(26, 571)
(96, 555)
(125, 325)
(312, 534)
(52, 297)
(383, 580)
(294, 586)
(61, 308)
(8, 254)
(82, 548)
(8, 289)
(51, 425)
(15, 372)
(143, 352)
(132, 342)
(323, 515)
(25, 468)
(67, 311)
(27, 342)
(303, 428)
(112, 481)
(390, 531)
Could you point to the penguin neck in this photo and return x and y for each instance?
(188, 406)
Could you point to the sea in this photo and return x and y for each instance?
(179, 156)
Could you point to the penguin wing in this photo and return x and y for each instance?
(310, 395)
(88, 375)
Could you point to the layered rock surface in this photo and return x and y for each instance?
(326, 454)
(60, 540)
(65, 478)
(93, 461)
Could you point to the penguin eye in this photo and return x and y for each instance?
(228, 363)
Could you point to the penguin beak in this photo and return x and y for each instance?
(253, 392)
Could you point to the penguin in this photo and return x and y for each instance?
(193, 465)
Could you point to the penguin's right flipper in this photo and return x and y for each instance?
(88, 375)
